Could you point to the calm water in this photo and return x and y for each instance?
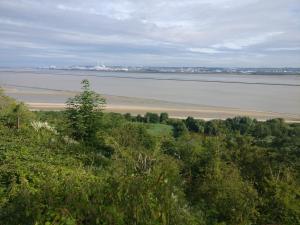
(256, 92)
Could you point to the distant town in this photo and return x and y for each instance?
(197, 70)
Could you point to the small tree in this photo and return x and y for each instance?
(18, 111)
(179, 129)
(128, 116)
(151, 118)
(193, 124)
(13, 114)
(139, 118)
(164, 117)
(84, 113)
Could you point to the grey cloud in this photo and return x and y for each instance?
(157, 32)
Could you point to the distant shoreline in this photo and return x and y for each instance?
(161, 79)
(174, 70)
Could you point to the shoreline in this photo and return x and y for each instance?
(55, 100)
(198, 112)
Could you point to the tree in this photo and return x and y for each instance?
(139, 118)
(194, 125)
(164, 117)
(84, 113)
(261, 130)
(179, 128)
(127, 116)
(241, 124)
(151, 118)
(18, 111)
(133, 136)
(211, 128)
(281, 199)
(147, 189)
(225, 197)
(12, 113)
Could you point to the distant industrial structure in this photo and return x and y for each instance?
(196, 70)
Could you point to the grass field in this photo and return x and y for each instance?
(159, 129)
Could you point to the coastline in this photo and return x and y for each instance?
(55, 100)
(199, 112)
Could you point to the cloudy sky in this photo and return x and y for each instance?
(243, 33)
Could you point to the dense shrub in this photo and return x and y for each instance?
(237, 171)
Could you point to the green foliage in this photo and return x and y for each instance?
(159, 129)
(194, 125)
(133, 136)
(241, 124)
(179, 128)
(13, 114)
(282, 194)
(151, 118)
(211, 128)
(84, 113)
(128, 116)
(163, 118)
(222, 193)
(147, 189)
(117, 169)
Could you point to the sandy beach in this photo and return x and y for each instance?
(204, 112)
(55, 100)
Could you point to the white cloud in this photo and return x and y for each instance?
(246, 42)
(21, 44)
(68, 8)
(205, 50)
(284, 49)
(120, 11)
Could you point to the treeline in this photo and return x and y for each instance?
(242, 125)
(83, 166)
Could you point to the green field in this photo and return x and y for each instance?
(159, 129)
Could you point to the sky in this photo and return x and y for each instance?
(226, 33)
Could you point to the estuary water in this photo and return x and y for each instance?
(272, 93)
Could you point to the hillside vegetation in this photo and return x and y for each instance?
(83, 166)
